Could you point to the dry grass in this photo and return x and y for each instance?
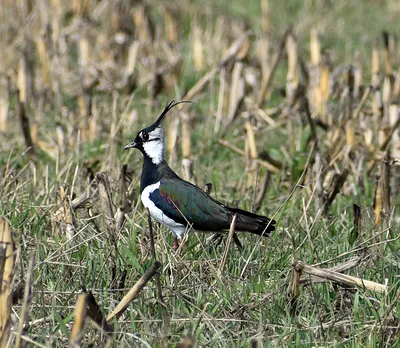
(300, 123)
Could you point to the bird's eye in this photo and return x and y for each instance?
(145, 136)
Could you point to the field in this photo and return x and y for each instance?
(295, 115)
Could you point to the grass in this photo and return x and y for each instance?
(248, 302)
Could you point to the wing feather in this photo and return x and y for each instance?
(184, 202)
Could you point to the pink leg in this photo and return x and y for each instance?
(184, 245)
(175, 246)
(178, 242)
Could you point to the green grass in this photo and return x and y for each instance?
(249, 299)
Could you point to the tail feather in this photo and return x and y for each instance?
(253, 223)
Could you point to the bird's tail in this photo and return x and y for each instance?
(253, 223)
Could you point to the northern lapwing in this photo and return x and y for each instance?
(178, 204)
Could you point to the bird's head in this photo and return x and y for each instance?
(150, 140)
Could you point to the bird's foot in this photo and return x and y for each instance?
(178, 242)
(217, 239)
(175, 246)
(237, 242)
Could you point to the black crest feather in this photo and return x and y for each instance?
(168, 107)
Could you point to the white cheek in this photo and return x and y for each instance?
(155, 150)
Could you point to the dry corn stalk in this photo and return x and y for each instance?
(237, 90)
(79, 321)
(173, 128)
(394, 113)
(388, 53)
(197, 47)
(292, 78)
(375, 81)
(221, 99)
(306, 108)
(349, 77)
(244, 50)
(262, 46)
(325, 81)
(22, 79)
(340, 278)
(294, 289)
(7, 261)
(106, 202)
(228, 243)
(357, 70)
(69, 207)
(385, 183)
(375, 66)
(171, 26)
(387, 91)
(265, 20)
(44, 61)
(383, 143)
(362, 102)
(94, 312)
(315, 48)
(4, 102)
(132, 58)
(396, 84)
(68, 212)
(186, 146)
(253, 155)
(82, 8)
(263, 191)
(350, 134)
(251, 140)
(339, 268)
(378, 202)
(123, 203)
(133, 293)
(316, 83)
(263, 43)
(83, 100)
(56, 11)
(356, 224)
(26, 129)
(337, 183)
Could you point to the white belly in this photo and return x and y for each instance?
(157, 214)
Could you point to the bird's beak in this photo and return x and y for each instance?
(130, 146)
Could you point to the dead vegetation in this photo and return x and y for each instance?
(286, 126)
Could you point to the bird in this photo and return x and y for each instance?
(178, 204)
